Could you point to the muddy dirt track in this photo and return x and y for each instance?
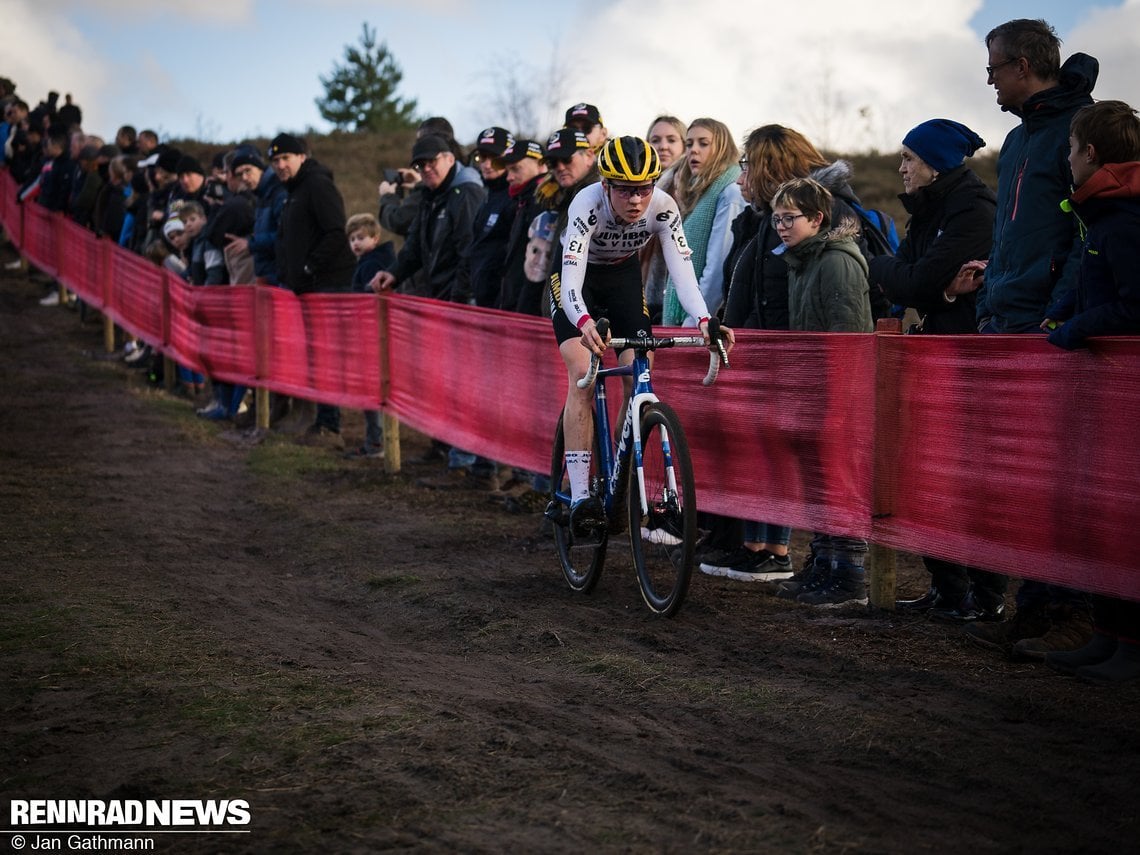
(375, 666)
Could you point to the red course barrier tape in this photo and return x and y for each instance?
(997, 451)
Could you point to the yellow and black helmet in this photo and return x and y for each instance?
(629, 159)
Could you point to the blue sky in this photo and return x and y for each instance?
(850, 78)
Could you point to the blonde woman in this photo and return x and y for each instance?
(666, 135)
(709, 199)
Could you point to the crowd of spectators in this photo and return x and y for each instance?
(778, 244)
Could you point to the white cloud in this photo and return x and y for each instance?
(200, 11)
(847, 78)
(43, 52)
(1113, 37)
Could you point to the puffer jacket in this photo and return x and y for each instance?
(952, 222)
(757, 278)
(827, 283)
(1036, 247)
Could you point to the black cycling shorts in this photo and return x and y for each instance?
(612, 291)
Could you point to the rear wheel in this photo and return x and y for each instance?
(663, 539)
(582, 559)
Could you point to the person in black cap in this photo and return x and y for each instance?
(526, 169)
(586, 118)
(573, 165)
(443, 229)
(400, 199)
(493, 222)
(440, 236)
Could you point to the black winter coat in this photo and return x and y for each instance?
(312, 248)
(952, 222)
(757, 297)
(440, 237)
(488, 255)
(519, 294)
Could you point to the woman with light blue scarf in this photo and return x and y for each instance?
(709, 198)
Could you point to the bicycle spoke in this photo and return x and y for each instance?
(662, 540)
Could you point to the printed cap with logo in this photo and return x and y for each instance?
(583, 115)
(523, 149)
(494, 141)
(565, 143)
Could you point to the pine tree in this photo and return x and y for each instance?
(361, 94)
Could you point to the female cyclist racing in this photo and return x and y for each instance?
(608, 223)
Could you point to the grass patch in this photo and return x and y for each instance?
(287, 461)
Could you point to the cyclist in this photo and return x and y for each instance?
(608, 223)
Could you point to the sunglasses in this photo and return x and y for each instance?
(632, 191)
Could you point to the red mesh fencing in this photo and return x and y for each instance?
(998, 451)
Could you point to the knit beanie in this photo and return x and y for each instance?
(943, 143)
(246, 156)
(188, 163)
(285, 144)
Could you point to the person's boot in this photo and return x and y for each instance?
(1099, 650)
(1123, 667)
(1071, 629)
(846, 584)
(816, 564)
(1027, 622)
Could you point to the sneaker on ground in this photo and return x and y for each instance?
(720, 562)
(138, 355)
(51, 299)
(761, 566)
(1071, 629)
(1026, 623)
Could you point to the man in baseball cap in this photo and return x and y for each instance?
(586, 118)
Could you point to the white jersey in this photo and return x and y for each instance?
(594, 235)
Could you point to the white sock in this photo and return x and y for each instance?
(578, 470)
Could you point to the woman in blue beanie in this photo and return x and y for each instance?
(952, 215)
(951, 222)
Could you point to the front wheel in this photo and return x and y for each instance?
(582, 560)
(664, 537)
